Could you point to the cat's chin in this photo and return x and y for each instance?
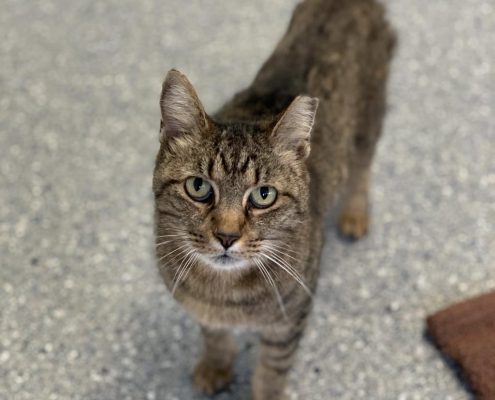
(225, 262)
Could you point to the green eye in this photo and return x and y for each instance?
(263, 196)
(199, 189)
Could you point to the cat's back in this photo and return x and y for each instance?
(339, 52)
(324, 48)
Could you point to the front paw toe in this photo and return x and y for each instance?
(354, 225)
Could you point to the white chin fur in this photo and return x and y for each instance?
(227, 265)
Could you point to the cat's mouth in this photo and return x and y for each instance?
(227, 261)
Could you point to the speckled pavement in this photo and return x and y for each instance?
(83, 314)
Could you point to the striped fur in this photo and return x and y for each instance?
(337, 51)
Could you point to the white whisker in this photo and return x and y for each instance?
(282, 251)
(182, 270)
(174, 235)
(165, 242)
(178, 256)
(287, 268)
(281, 245)
(184, 254)
(173, 251)
(194, 259)
(266, 274)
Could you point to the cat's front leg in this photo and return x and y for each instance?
(214, 370)
(275, 359)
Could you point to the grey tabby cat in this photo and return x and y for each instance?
(241, 197)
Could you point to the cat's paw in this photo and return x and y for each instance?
(353, 225)
(210, 380)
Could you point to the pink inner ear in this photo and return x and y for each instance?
(303, 150)
(182, 112)
(294, 127)
(172, 130)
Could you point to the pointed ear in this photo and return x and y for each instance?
(292, 131)
(182, 112)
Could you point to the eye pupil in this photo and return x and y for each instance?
(198, 189)
(198, 182)
(263, 196)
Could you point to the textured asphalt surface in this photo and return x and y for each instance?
(83, 314)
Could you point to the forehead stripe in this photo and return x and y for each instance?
(243, 168)
(224, 163)
(211, 163)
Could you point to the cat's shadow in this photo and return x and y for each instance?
(165, 350)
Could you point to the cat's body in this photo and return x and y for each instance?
(267, 265)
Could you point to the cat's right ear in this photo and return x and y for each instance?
(292, 131)
(182, 112)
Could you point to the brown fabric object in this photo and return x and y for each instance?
(466, 333)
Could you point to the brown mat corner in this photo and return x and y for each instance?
(465, 332)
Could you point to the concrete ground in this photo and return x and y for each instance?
(83, 314)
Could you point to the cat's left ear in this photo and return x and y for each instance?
(293, 130)
(182, 111)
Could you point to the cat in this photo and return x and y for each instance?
(241, 196)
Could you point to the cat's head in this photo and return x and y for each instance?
(231, 195)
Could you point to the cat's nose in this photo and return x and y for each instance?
(227, 239)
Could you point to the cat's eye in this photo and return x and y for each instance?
(263, 196)
(199, 189)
